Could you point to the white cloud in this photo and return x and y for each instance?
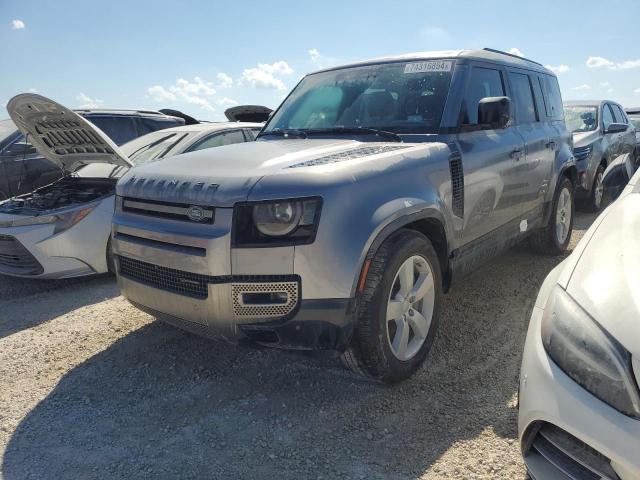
(636, 91)
(516, 51)
(190, 92)
(558, 68)
(265, 75)
(224, 101)
(581, 88)
(315, 55)
(32, 90)
(604, 84)
(224, 80)
(600, 62)
(610, 90)
(88, 102)
(17, 24)
(160, 94)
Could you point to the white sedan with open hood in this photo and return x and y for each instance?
(579, 397)
(62, 230)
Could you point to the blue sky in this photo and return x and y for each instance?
(202, 56)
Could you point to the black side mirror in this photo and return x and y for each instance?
(494, 112)
(617, 128)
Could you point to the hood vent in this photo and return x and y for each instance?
(352, 154)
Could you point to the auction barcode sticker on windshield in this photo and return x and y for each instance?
(432, 66)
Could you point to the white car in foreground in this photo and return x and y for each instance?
(62, 230)
(579, 397)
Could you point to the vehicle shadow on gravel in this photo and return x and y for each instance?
(165, 404)
(65, 296)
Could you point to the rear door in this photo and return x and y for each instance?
(628, 137)
(490, 179)
(536, 162)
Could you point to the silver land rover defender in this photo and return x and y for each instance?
(371, 189)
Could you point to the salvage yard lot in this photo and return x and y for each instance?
(90, 387)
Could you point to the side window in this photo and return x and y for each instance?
(541, 106)
(619, 114)
(118, 128)
(553, 100)
(483, 82)
(252, 133)
(148, 125)
(523, 98)
(607, 116)
(219, 139)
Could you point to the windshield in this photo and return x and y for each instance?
(7, 127)
(581, 119)
(152, 146)
(397, 97)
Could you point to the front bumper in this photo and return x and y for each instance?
(549, 399)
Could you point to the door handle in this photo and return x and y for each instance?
(516, 154)
(551, 145)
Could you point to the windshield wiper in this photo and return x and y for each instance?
(290, 132)
(358, 131)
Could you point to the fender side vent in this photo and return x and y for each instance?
(457, 185)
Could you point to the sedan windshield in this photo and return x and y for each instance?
(396, 97)
(581, 119)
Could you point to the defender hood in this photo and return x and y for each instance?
(605, 280)
(225, 175)
(61, 135)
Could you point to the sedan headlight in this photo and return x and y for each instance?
(277, 222)
(589, 354)
(62, 221)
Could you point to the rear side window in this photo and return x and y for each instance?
(148, 125)
(118, 128)
(523, 98)
(252, 133)
(607, 116)
(553, 98)
(483, 82)
(219, 139)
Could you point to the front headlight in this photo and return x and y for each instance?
(62, 221)
(589, 354)
(582, 153)
(276, 222)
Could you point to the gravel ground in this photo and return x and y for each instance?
(92, 388)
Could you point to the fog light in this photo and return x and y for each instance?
(265, 298)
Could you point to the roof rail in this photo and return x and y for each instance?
(512, 55)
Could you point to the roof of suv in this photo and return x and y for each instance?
(485, 54)
(106, 111)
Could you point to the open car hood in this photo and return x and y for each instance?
(61, 135)
(248, 113)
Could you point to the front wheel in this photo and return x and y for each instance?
(554, 238)
(594, 202)
(399, 310)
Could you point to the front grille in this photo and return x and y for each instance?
(189, 284)
(352, 154)
(554, 450)
(174, 211)
(16, 259)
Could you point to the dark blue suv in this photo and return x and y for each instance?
(23, 169)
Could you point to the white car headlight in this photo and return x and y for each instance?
(589, 354)
(62, 221)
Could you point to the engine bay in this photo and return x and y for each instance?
(66, 192)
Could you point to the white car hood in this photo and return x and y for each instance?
(606, 279)
(61, 135)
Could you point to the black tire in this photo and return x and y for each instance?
(369, 353)
(545, 240)
(592, 204)
(111, 261)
